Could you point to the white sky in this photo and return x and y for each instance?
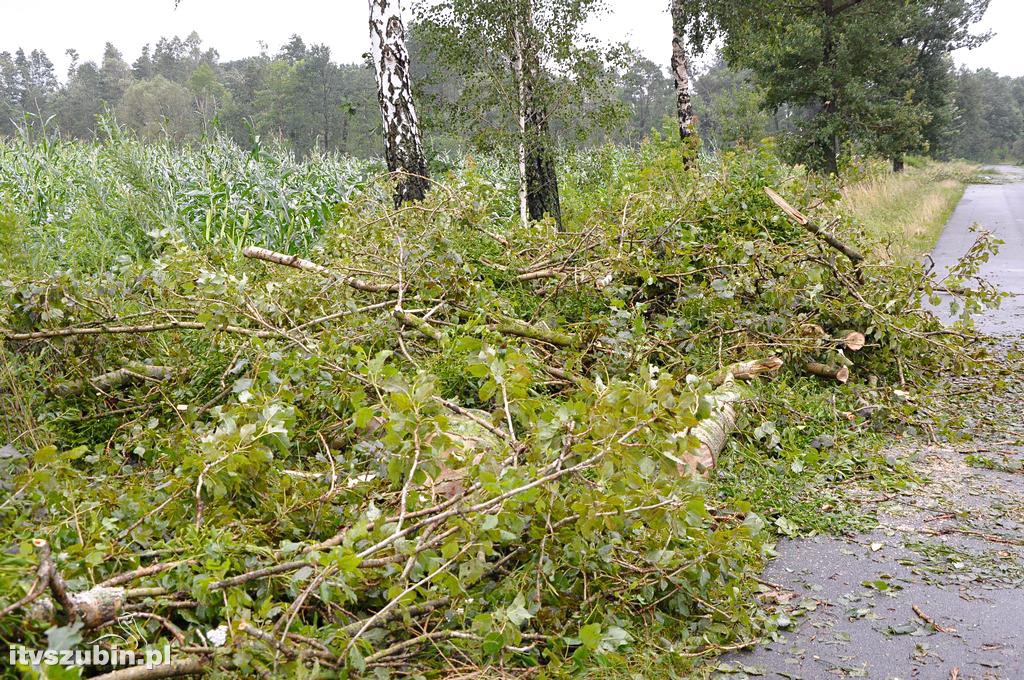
(235, 27)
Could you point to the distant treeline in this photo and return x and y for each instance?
(301, 98)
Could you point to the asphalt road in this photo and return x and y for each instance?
(948, 552)
(998, 207)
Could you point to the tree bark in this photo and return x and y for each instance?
(713, 432)
(898, 163)
(799, 218)
(840, 374)
(830, 146)
(681, 73)
(746, 370)
(403, 146)
(541, 176)
(519, 70)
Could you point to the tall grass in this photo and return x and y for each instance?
(909, 209)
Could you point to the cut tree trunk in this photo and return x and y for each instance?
(851, 340)
(840, 374)
(713, 432)
(403, 146)
(747, 370)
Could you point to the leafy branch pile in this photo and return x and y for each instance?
(439, 439)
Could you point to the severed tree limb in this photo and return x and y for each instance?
(297, 262)
(746, 370)
(145, 328)
(840, 374)
(413, 321)
(92, 607)
(562, 374)
(142, 572)
(122, 376)
(522, 330)
(799, 218)
(851, 340)
(174, 669)
(539, 274)
(285, 648)
(713, 432)
(412, 611)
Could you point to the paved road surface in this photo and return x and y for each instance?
(953, 548)
(998, 207)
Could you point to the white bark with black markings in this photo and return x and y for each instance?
(403, 146)
(681, 73)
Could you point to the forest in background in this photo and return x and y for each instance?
(298, 95)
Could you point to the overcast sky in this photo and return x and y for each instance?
(236, 27)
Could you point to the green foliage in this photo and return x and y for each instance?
(507, 73)
(304, 425)
(730, 108)
(871, 75)
(990, 122)
(121, 197)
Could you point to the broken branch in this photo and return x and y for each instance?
(799, 218)
(296, 262)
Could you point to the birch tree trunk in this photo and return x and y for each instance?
(403, 147)
(681, 73)
(518, 67)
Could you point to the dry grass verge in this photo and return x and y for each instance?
(909, 209)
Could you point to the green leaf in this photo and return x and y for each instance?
(345, 560)
(362, 417)
(493, 643)
(46, 454)
(590, 635)
(517, 612)
(66, 637)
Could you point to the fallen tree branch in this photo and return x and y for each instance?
(523, 330)
(414, 322)
(799, 218)
(840, 374)
(174, 669)
(142, 572)
(145, 328)
(122, 376)
(930, 621)
(297, 262)
(746, 370)
(92, 607)
(539, 274)
(713, 432)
